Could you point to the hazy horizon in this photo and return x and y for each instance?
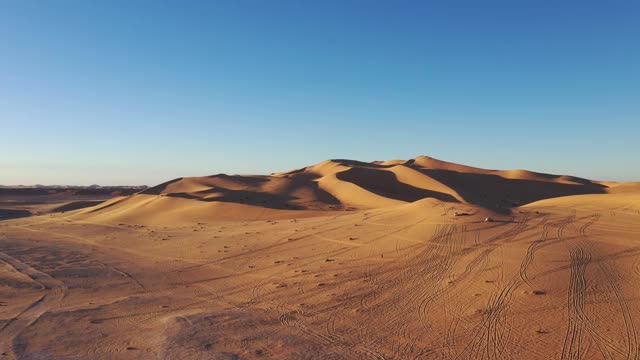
(165, 179)
(120, 93)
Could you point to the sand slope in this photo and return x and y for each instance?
(340, 260)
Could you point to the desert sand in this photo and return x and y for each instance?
(339, 260)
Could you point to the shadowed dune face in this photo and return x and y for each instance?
(499, 194)
(6, 214)
(75, 205)
(386, 183)
(296, 191)
(256, 198)
(158, 189)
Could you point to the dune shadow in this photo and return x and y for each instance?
(306, 181)
(360, 164)
(254, 198)
(7, 214)
(76, 205)
(386, 183)
(158, 189)
(501, 194)
(244, 180)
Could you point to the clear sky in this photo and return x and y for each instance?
(139, 92)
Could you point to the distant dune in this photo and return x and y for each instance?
(625, 188)
(338, 185)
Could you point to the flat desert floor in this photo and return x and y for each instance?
(553, 279)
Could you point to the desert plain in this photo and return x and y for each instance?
(339, 260)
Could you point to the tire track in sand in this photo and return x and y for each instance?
(631, 337)
(539, 244)
(577, 320)
(54, 292)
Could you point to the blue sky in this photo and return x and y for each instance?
(138, 92)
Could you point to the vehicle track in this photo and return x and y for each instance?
(536, 245)
(492, 334)
(573, 347)
(54, 291)
(605, 344)
(631, 337)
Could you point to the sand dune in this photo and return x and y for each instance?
(351, 185)
(339, 260)
(625, 188)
